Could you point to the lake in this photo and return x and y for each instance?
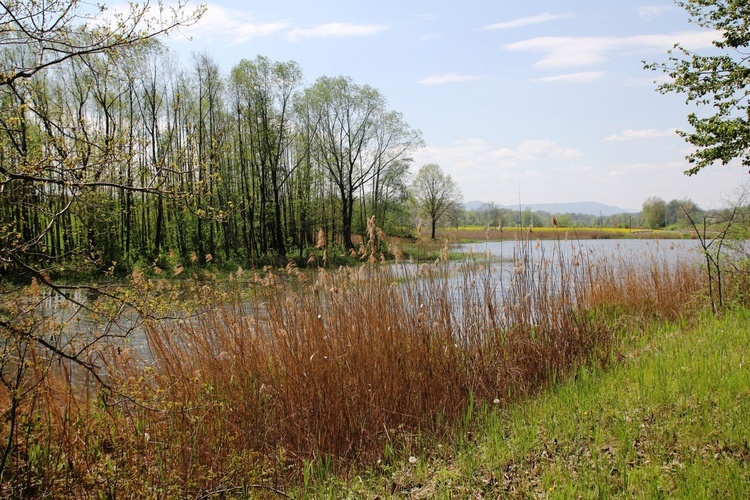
(632, 250)
(498, 258)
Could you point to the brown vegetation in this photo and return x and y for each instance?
(350, 364)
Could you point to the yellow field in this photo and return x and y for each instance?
(464, 233)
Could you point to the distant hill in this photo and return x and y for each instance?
(584, 207)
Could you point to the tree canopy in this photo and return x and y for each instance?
(435, 193)
(112, 156)
(355, 139)
(718, 83)
(46, 34)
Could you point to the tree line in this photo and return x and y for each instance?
(655, 214)
(122, 157)
(112, 154)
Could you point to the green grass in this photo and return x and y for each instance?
(670, 418)
(285, 380)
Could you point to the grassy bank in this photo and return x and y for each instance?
(293, 376)
(670, 419)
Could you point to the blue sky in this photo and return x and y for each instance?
(543, 99)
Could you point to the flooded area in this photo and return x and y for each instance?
(634, 251)
(499, 261)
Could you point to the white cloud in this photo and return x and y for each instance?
(564, 52)
(538, 170)
(525, 21)
(574, 170)
(650, 12)
(236, 26)
(446, 78)
(582, 77)
(674, 167)
(535, 150)
(430, 36)
(477, 154)
(648, 133)
(335, 30)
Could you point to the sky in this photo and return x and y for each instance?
(535, 101)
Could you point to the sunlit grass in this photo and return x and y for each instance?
(304, 376)
(670, 419)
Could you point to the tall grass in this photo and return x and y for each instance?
(352, 365)
(671, 422)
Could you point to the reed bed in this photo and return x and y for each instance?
(341, 367)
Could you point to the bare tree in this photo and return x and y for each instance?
(725, 229)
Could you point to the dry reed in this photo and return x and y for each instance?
(343, 364)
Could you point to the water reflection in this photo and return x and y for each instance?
(494, 264)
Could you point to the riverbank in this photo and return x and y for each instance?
(470, 234)
(290, 379)
(416, 249)
(670, 418)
